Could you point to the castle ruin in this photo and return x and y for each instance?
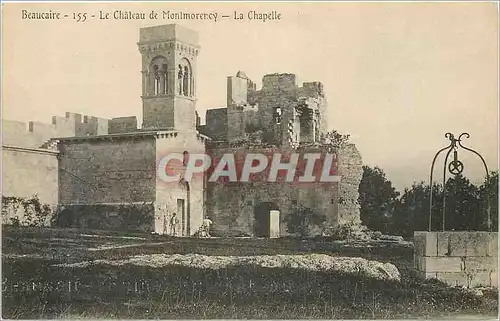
(92, 168)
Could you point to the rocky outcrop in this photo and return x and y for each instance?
(311, 262)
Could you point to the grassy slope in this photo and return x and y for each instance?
(136, 292)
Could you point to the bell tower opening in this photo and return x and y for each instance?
(169, 56)
(157, 80)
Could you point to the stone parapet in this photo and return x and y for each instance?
(458, 258)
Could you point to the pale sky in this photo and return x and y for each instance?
(397, 76)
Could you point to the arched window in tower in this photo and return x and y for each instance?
(185, 81)
(156, 79)
(179, 77)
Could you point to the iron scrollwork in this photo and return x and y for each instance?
(455, 167)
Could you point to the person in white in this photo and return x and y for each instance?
(206, 226)
(165, 224)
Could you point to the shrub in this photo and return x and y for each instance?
(303, 220)
(348, 231)
(17, 211)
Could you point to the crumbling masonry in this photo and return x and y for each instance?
(94, 169)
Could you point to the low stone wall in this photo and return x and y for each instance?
(457, 258)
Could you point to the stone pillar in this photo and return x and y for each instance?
(162, 84)
(144, 82)
(151, 83)
(191, 86)
(179, 81)
(170, 81)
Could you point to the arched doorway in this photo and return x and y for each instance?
(266, 224)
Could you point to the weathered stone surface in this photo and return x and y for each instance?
(425, 244)
(351, 172)
(119, 166)
(479, 279)
(493, 245)
(114, 170)
(440, 264)
(36, 134)
(480, 263)
(473, 250)
(494, 278)
(312, 262)
(427, 275)
(26, 172)
(233, 205)
(454, 278)
(451, 244)
(477, 243)
(123, 125)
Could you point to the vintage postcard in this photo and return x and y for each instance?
(250, 160)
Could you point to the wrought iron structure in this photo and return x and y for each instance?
(455, 167)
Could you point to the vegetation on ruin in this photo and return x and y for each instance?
(129, 217)
(33, 211)
(34, 288)
(335, 139)
(302, 220)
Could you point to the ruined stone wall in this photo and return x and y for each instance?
(37, 134)
(168, 194)
(231, 205)
(216, 124)
(235, 123)
(26, 172)
(185, 117)
(278, 91)
(15, 133)
(107, 170)
(93, 126)
(242, 107)
(273, 110)
(315, 91)
(351, 172)
(123, 125)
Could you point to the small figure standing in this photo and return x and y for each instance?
(173, 224)
(206, 226)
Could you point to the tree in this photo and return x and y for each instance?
(488, 195)
(465, 206)
(411, 210)
(377, 198)
(462, 208)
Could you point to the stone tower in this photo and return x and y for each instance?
(169, 54)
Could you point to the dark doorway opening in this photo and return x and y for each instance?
(262, 223)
